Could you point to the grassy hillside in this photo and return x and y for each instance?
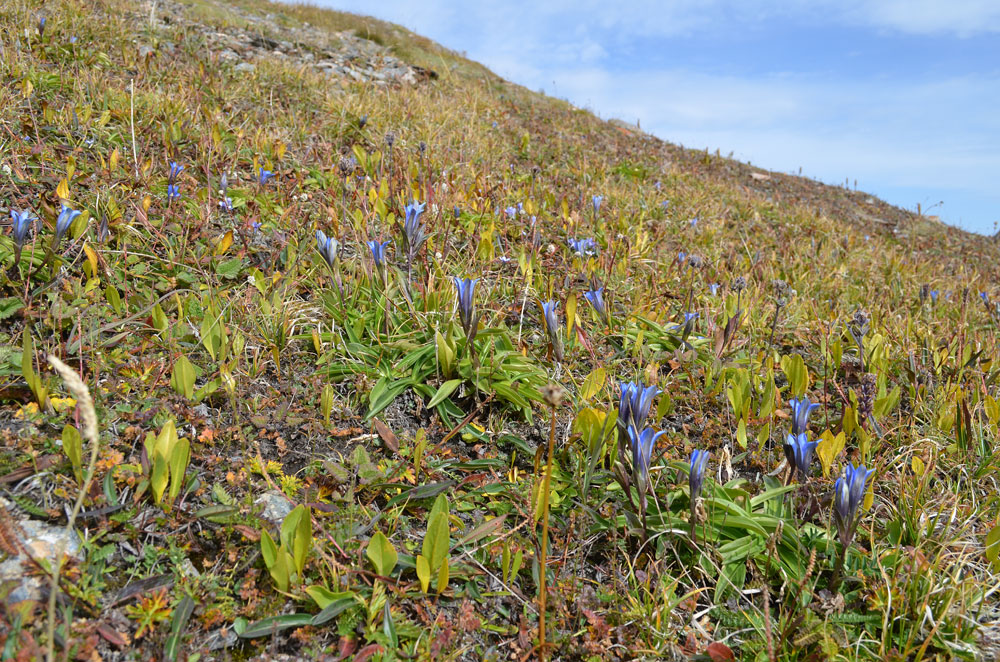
(312, 442)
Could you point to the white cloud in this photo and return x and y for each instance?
(961, 17)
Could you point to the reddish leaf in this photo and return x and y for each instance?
(388, 438)
(112, 636)
(367, 652)
(720, 652)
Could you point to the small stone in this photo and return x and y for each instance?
(41, 541)
(246, 67)
(276, 506)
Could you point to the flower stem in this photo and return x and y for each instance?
(838, 570)
(546, 480)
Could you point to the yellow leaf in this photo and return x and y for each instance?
(62, 191)
(279, 150)
(146, 203)
(91, 259)
(224, 243)
(593, 383)
(869, 496)
(828, 448)
(114, 158)
(918, 466)
(26, 88)
(570, 314)
(70, 167)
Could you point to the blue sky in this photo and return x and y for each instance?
(901, 95)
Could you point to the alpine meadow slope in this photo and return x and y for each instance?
(373, 355)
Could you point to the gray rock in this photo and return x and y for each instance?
(40, 541)
(276, 506)
(245, 67)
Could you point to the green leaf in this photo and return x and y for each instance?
(9, 306)
(442, 578)
(381, 553)
(159, 318)
(182, 613)
(183, 377)
(444, 391)
(437, 539)
(113, 298)
(218, 514)
(72, 444)
(302, 542)
(423, 572)
(180, 455)
(229, 268)
(427, 491)
(268, 549)
(993, 547)
(798, 375)
(335, 608)
(273, 624)
(159, 476)
(323, 596)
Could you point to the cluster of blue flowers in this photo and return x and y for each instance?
(173, 188)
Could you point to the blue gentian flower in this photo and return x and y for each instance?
(457, 211)
(596, 299)
(658, 185)
(173, 192)
(694, 222)
(327, 246)
(800, 413)
(226, 204)
(982, 295)
(413, 232)
(224, 183)
(466, 288)
(689, 320)
(175, 170)
(934, 296)
(799, 451)
(256, 226)
(848, 492)
(63, 222)
(665, 204)
(72, 39)
(378, 251)
(596, 201)
(552, 327)
(634, 404)
(583, 247)
(696, 474)
(714, 287)
(264, 176)
(681, 256)
(510, 211)
(41, 26)
(551, 320)
(642, 451)
(20, 223)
